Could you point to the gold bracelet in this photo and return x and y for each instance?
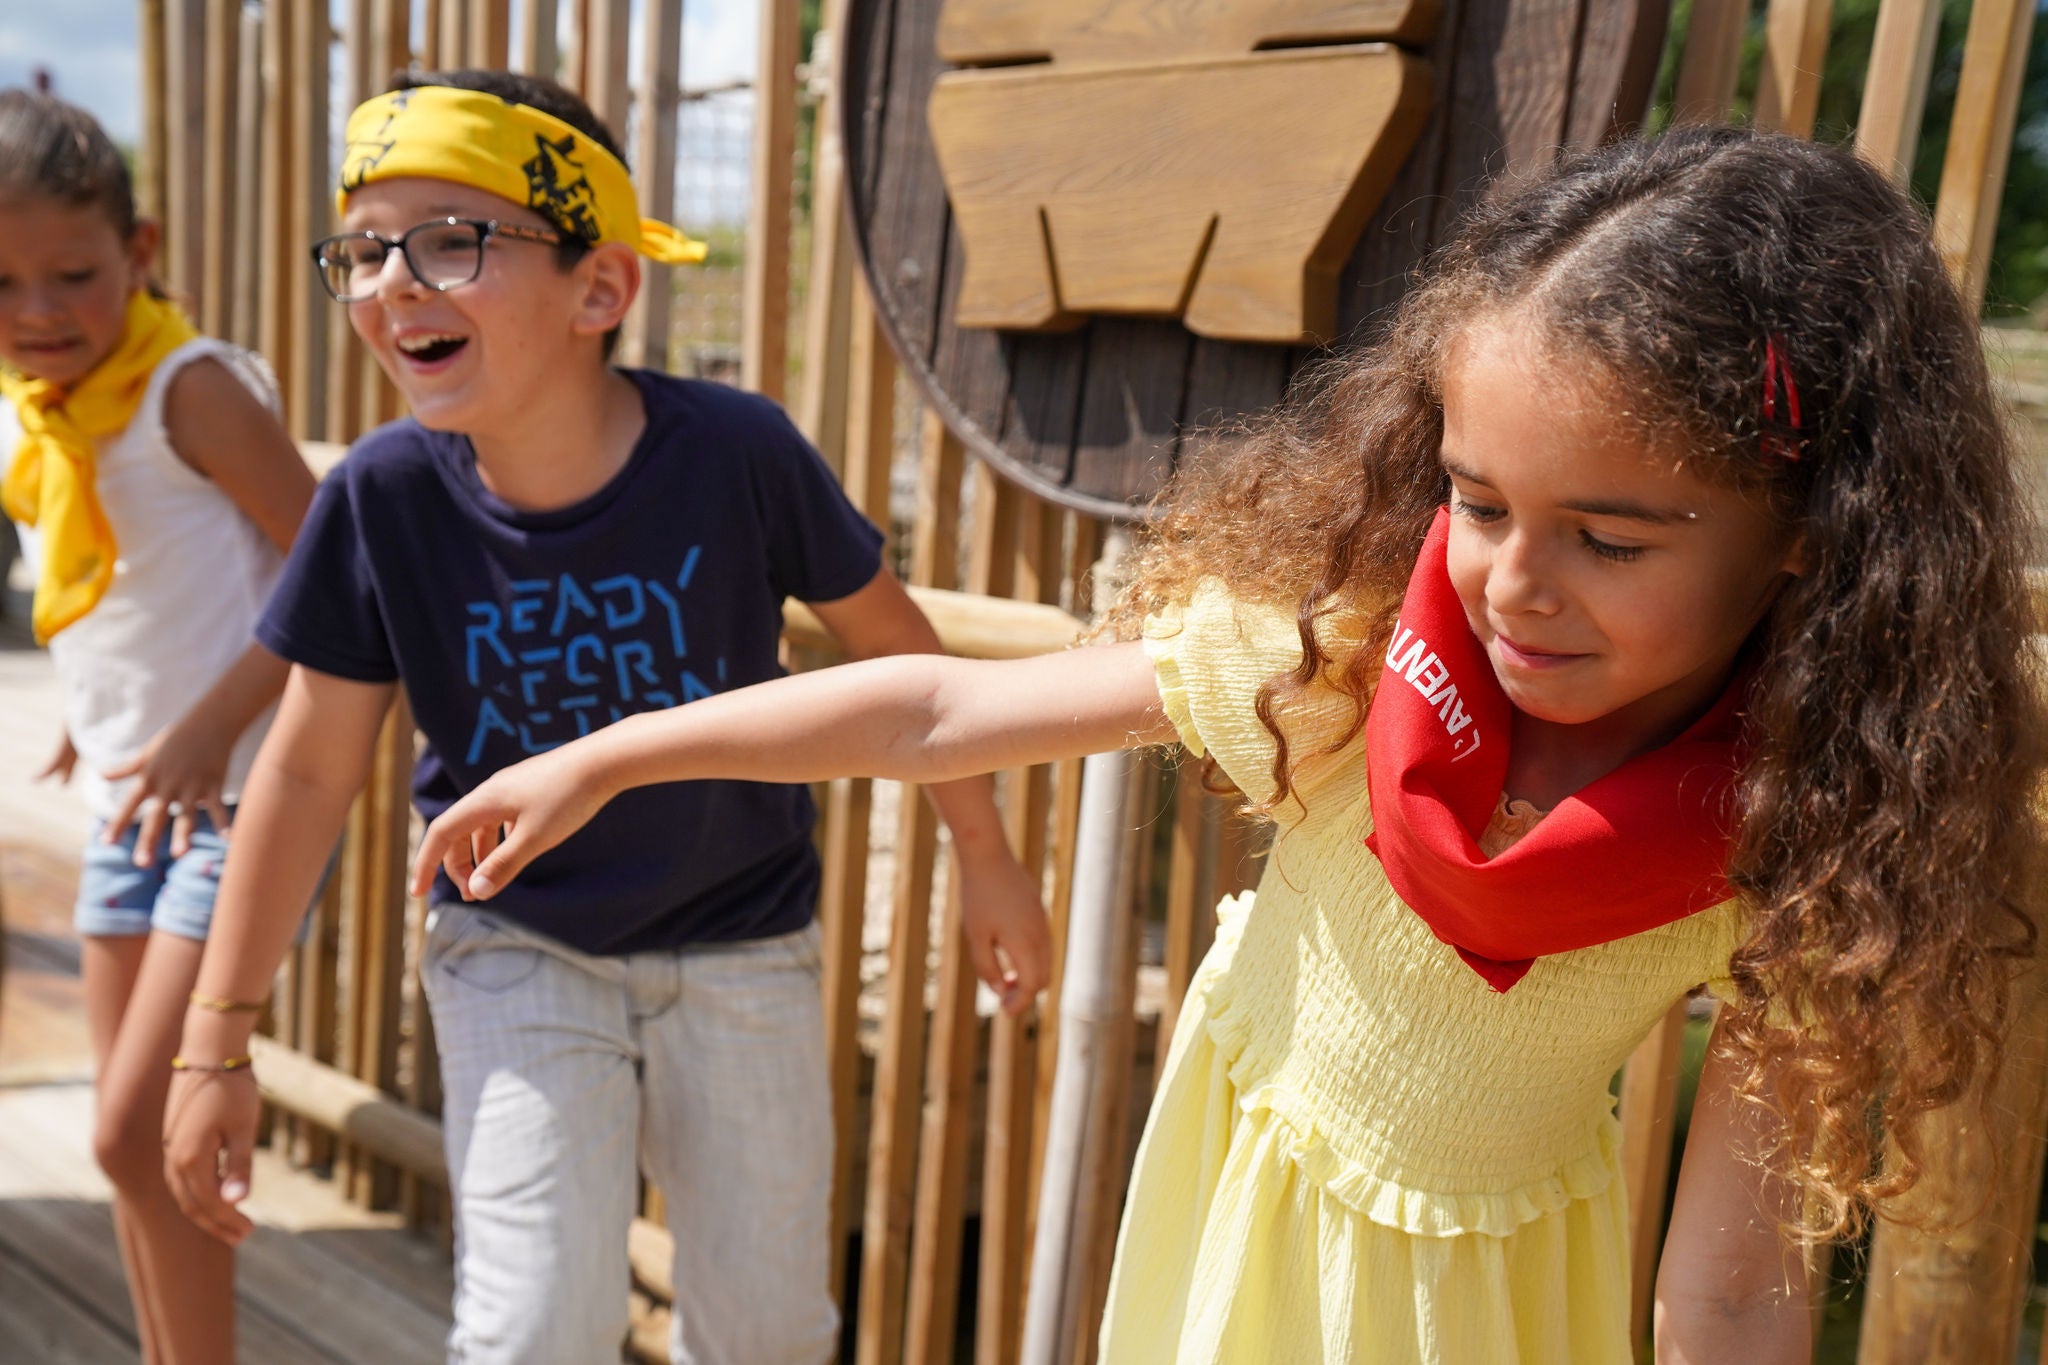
(224, 1065)
(220, 1004)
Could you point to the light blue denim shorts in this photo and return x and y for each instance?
(173, 895)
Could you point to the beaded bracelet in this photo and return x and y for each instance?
(220, 1004)
(225, 1065)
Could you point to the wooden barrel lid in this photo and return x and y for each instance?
(1095, 418)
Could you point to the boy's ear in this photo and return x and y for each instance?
(610, 274)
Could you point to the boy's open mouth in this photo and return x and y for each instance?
(431, 348)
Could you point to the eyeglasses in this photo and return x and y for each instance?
(443, 254)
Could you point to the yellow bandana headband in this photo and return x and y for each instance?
(511, 150)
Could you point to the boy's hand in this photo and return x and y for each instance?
(209, 1132)
(61, 763)
(488, 837)
(1005, 928)
(185, 767)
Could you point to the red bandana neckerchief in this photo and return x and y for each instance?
(1643, 846)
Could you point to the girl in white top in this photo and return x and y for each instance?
(155, 493)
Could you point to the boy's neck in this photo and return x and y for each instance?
(564, 444)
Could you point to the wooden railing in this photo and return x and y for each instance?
(938, 1107)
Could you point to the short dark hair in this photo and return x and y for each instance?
(55, 149)
(549, 97)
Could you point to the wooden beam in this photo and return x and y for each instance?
(645, 341)
(540, 52)
(1795, 50)
(183, 254)
(223, 88)
(1980, 139)
(245, 294)
(1895, 87)
(828, 308)
(149, 170)
(605, 50)
(490, 34)
(1711, 61)
(311, 210)
(764, 329)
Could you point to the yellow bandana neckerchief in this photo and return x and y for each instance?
(50, 483)
(511, 150)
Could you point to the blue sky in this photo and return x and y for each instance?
(92, 49)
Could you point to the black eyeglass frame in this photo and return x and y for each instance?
(486, 229)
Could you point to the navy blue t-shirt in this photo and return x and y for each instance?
(514, 632)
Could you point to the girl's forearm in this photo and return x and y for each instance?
(921, 718)
(283, 836)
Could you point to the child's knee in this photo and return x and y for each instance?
(127, 1142)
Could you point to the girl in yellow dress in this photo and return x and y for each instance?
(1645, 608)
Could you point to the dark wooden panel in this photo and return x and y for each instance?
(1093, 418)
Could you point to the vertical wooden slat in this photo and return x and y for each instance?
(281, 261)
(821, 405)
(1649, 1097)
(1980, 139)
(1711, 61)
(893, 1128)
(1958, 1293)
(490, 33)
(312, 207)
(942, 1166)
(219, 247)
(605, 44)
(454, 32)
(1190, 900)
(432, 57)
(764, 330)
(1895, 88)
(645, 341)
(539, 47)
(1795, 47)
(152, 39)
(576, 54)
(245, 293)
(387, 52)
(843, 896)
(1006, 1191)
(184, 249)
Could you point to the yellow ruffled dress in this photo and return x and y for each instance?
(1359, 1152)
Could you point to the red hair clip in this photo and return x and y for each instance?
(1778, 371)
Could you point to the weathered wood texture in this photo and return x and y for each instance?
(1097, 417)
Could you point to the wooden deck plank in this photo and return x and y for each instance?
(42, 1321)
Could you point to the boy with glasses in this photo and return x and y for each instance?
(546, 546)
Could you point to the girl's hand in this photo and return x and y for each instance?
(209, 1132)
(61, 763)
(1008, 938)
(178, 774)
(488, 837)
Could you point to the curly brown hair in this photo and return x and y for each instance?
(1887, 813)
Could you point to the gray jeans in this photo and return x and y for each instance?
(564, 1074)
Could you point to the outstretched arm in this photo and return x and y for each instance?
(916, 718)
(1728, 1286)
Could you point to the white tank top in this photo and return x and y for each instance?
(192, 576)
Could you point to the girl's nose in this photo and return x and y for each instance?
(1517, 580)
(38, 303)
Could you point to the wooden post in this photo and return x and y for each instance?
(184, 247)
(948, 1116)
(1895, 88)
(149, 170)
(281, 261)
(245, 294)
(312, 208)
(1980, 138)
(489, 33)
(1649, 1098)
(1795, 48)
(645, 341)
(821, 406)
(219, 248)
(539, 50)
(1956, 1294)
(606, 37)
(764, 337)
(1711, 61)
(842, 901)
(454, 36)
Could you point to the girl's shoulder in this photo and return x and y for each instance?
(210, 367)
